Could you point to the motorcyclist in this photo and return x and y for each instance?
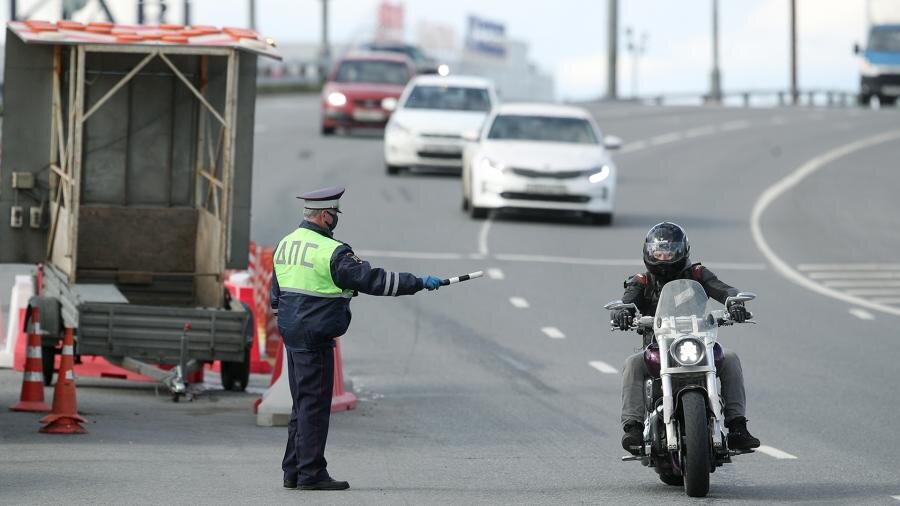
(666, 256)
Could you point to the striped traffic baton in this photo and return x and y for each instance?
(464, 277)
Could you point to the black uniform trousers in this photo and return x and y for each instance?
(311, 375)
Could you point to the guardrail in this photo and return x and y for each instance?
(759, 98)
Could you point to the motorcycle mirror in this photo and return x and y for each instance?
(740, 297)
(616, 305)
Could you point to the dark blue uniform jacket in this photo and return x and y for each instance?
(309, 323)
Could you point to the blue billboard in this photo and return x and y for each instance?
(486, 37)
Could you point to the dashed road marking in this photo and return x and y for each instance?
(897, 497)
(854, 275)
(633, 146)
(866, 292)
(700, 131)
(553, 333)
(495, 274)
(417, 255)
(603, 367)
(519, 302)
(778, 120)
(868, 283)
(886, 300)
(862, 314)
(483, 236)
(775, 452)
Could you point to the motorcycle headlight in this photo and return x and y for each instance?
(337, 99)
(488, 165)
(688, 351)
(599, 174)
(389, 103)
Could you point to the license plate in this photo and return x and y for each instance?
(890, 90)
(549, 189)
(439, 148)
(368, 115)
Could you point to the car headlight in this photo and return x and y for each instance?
(337, 99)
(600, 174)
(443, 69)
(488, 165)
(688, 351)
(389, 103)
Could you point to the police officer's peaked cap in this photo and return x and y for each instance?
(326, 198)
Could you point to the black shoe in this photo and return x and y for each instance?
(326, 484)
(739, 438)
(633, 439)
(290, 484)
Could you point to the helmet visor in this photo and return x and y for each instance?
(662, 251)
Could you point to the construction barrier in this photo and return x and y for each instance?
(32, 396)
(64, 418)
(22, 291)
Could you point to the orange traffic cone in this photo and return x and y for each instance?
(340, 398)
(32, 398)
(64, 418)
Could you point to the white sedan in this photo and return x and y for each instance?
(433, 113)
(540, 156)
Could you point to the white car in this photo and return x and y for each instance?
(540, 156)
(433, 113)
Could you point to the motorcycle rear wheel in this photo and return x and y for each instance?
(695, 447)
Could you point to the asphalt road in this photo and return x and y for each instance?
(484, 392)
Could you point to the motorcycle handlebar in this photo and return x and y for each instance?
(725, 319)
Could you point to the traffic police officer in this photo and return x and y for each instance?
(313, 280)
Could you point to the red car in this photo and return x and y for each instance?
(362, 90)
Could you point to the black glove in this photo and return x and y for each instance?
(623, 319)
(738, 312)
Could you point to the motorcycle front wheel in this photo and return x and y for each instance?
(695, 447)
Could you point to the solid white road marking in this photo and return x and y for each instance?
(519, 302)
(665, 138)
(495, 274)
(418, 255)
(874, 291)
(785, 184)
(700, 131)
(483, 236)
(633, 146)
(862, 314)
(854, 275)
(897, 497)
(775, 452)
(886, 300)
(553, 333)
(858, 283)
(603, 367)
(734, 125)
(849, 267)
(614, 262)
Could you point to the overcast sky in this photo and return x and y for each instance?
(568, 37)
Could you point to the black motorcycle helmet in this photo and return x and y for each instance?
(666, 250)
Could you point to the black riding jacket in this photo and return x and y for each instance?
(644, 289)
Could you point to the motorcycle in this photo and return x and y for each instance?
(684, 437)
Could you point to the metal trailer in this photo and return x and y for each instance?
(126, 172)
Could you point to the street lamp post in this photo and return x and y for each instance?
(636, 50)
(795, 94)
(715, 78)
(325, 50)
(612, 48)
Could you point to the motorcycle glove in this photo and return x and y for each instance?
(738, 312)
(623, 319)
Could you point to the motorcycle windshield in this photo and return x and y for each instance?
(682, 310)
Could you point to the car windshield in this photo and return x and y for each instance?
(885, 39)
(372, 71)
(409, 51)
(542, 128)
(448, 98)
(682, 309)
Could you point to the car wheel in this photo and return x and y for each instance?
(601, 218)
(887, 100)
(327, 130)
(392, 170)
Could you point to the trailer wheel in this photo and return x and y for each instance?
(48, 355)
(236, 375)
